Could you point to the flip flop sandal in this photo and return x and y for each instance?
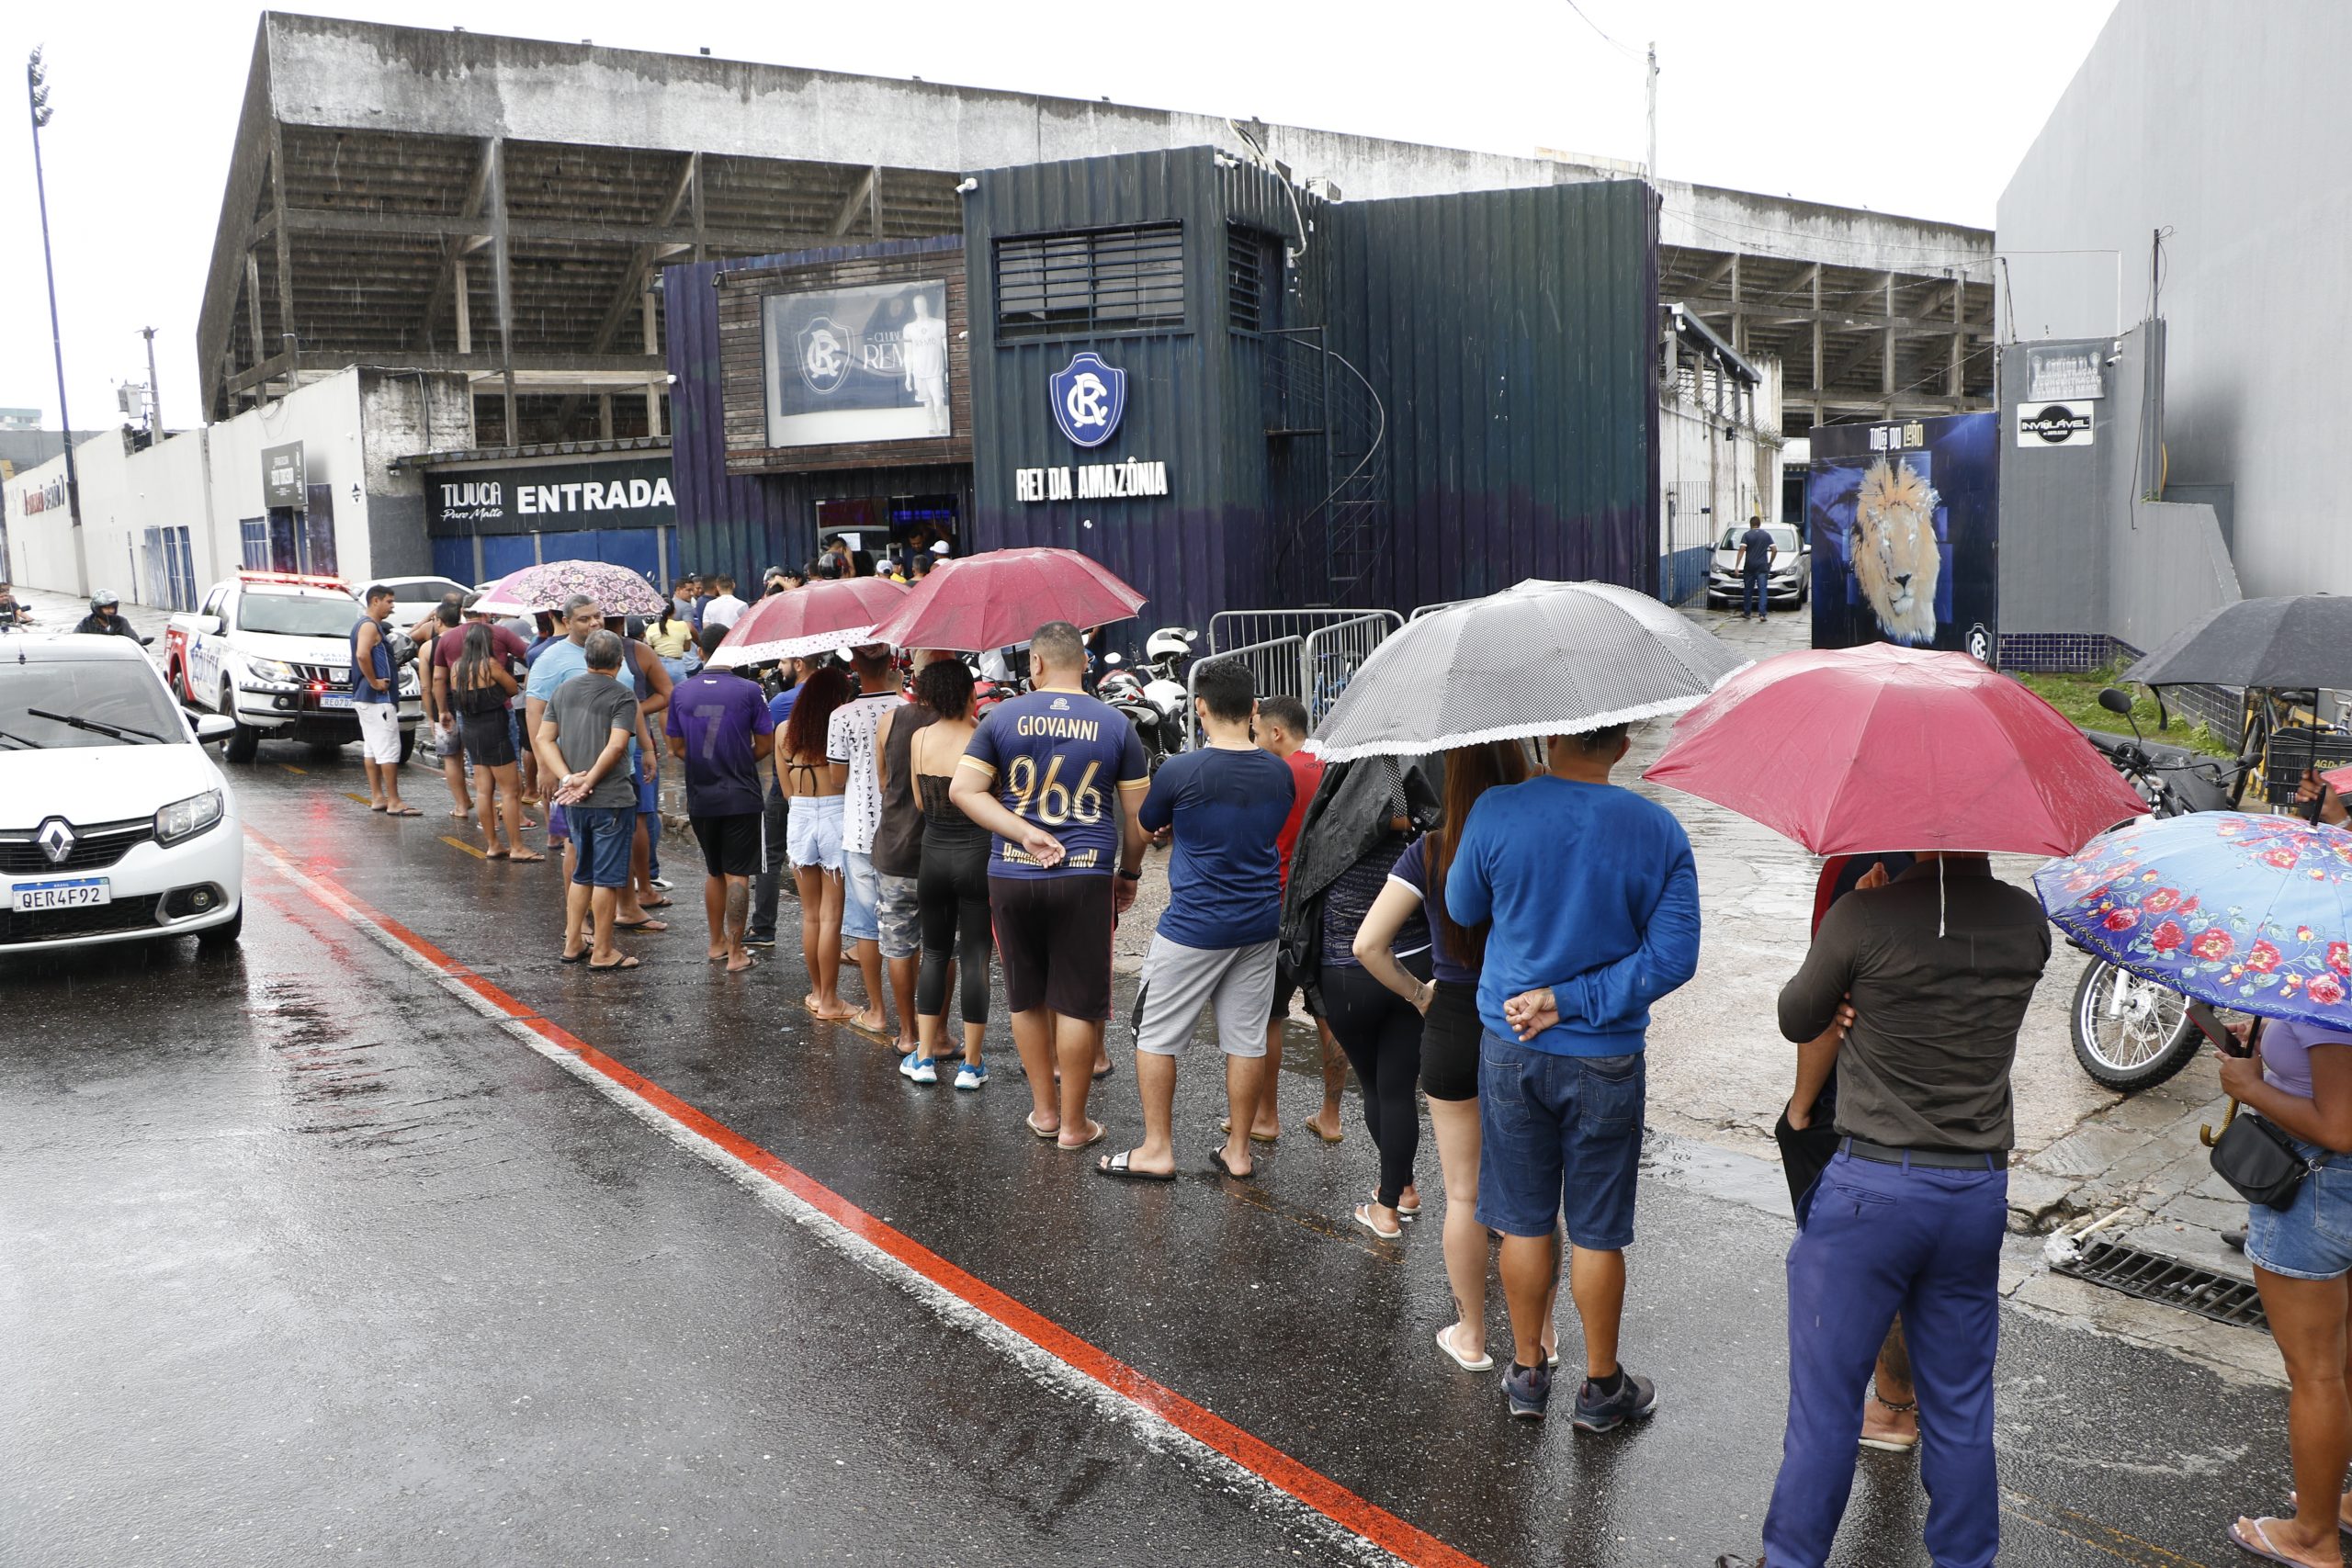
(1038, 1132)
(1402, 1211)
(1364, 1218)
(579, 957)
(524, 857)
(1101, 1132)
(1106, 1072)
(375, 808)
(1117, 1167)
(654, 926)
(629, 963)
(2259, 1546)
(1326, 1137)
(655, 903)
(1216, 1163)
(404, 811)
(494, 854)
(1446, 1343)
(1224, 1125)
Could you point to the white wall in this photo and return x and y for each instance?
(2226, 124)
(352, 425)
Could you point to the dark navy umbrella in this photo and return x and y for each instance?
(2299, 642)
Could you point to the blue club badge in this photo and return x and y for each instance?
(1089, 399)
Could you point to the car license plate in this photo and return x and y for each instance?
(68, 894)
(338, 700)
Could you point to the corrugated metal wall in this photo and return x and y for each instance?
(745, 522)
(1193, 399)
(1510, 336)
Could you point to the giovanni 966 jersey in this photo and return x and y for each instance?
(1057, 760)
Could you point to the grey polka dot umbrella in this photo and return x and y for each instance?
(1540, 658)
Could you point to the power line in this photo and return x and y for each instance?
(1603, 37)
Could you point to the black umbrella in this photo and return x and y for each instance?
(2299, 642)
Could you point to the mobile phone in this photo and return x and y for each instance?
(2210, 1024)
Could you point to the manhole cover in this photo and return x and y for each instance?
(2154, 1277)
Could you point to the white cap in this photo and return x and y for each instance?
(939, 547)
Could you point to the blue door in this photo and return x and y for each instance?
(453, 557)
(632, 547)
(502, 553)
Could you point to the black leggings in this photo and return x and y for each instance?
(951, 893)
(1380, 1032)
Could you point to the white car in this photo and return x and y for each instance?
(115, 823)
(1789, 581)
(413, 598)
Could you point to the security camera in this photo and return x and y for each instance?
(967, 186)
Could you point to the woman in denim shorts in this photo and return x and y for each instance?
(2301, 1081)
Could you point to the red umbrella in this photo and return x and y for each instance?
(999, 598)
(815, 619)
(1873, 750)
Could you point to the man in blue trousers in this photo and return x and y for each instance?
(1931, 976)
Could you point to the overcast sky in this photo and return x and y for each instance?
(1923, 110)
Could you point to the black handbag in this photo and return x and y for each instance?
(2260, 1161)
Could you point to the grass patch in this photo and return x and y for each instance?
(2077, 696)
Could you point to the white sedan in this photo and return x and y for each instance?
(115, 823)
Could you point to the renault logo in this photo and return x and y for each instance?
(56, 840)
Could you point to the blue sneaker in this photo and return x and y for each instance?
(971, 1074)
(918, 1068)
(1635, 1400)
(1526, 1391)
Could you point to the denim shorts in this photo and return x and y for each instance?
(897, 918)
(601, 836)
(2312, 1237)
(1559, 1134)
(860, 897)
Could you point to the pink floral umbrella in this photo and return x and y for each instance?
(617, 590)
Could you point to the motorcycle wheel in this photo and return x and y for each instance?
(2129, 1033)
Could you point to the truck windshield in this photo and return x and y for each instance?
(123, 696)
(295, 615)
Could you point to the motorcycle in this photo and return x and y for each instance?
(2130, 1034)
(1124, 690)
(1166, 654)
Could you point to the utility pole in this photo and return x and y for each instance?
(154, 391)
(1652, 163)
(37, 100)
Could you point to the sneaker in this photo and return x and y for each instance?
(918, 1068)
(1635, 1398)
(1526, 1391)
(971, 1074)
(759, 941)
(664, 883)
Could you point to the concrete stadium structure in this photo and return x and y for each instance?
(501, 206)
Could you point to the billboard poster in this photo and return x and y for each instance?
(1904, 517)
(856, 364)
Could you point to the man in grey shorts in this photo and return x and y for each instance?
(1215, 946)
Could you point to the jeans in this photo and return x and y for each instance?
(1560, 1137)
(1877, 1239)
(769, 883)
(1753, 600)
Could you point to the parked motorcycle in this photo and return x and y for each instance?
(1125, 692)
(1166, 654)
(2130, 1034)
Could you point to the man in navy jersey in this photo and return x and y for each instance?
(1058, 777)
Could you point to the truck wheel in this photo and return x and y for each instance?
(246, 741)
(408, 744)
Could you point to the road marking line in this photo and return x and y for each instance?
(1164, 1418)
(360, 798)
(292, 769)
(461, 844)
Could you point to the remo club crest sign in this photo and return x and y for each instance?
(1089, 397)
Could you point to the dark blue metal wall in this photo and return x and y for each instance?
(1511, 335)
(745, 522)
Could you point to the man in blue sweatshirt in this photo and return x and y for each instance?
(1594, 905)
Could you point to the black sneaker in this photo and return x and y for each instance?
(1526, 1391)
(1635, 1398)
(759, 941)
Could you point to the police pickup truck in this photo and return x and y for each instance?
(272, 651)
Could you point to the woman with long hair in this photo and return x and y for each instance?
(951, 893)
(1448, 1003)
(479, 688)
(672, 638)
(815, 841)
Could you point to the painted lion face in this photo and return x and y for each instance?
(1894, 554)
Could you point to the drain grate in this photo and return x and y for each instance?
(2152, 1276)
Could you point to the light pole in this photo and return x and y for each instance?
(37, 100)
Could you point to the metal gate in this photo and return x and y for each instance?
(1308, 654)
(1274, 666)
(1331, 655)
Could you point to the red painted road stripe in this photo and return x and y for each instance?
(1261, 1458)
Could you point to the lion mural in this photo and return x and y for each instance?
(1893, 549)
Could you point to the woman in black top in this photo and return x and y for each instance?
(479, 688)
(952, 890)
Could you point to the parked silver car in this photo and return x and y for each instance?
(1791, 582)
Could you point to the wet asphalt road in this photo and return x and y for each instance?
(303, 1257)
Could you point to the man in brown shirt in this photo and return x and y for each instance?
(1937, 967)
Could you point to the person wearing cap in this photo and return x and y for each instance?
(13, 612)
(103, 620)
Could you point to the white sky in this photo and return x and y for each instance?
(1922, 111)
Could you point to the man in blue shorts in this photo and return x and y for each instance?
(584, 741)
(1057, 777)
(1595, 905)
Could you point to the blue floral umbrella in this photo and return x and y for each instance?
(2234, 909)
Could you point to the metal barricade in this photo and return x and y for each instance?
(1434, 609)
(1232, 629)
(1329, 657)
(1275, 666)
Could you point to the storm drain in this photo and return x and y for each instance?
(2152, 1276)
